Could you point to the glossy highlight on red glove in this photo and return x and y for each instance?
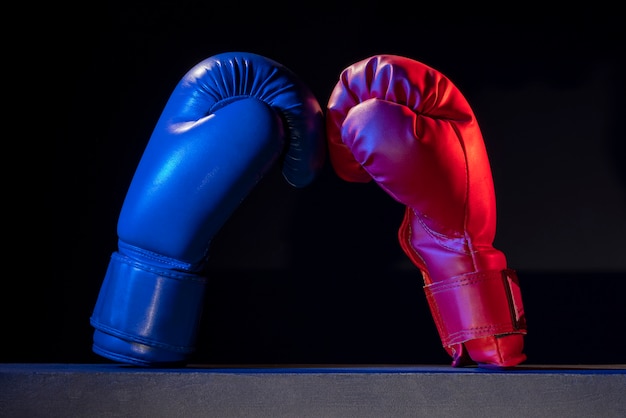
(406, 126)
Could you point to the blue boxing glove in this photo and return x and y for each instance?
(227, 122)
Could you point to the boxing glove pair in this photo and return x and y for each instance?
(233, 116)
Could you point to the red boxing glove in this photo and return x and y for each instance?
(405, 125)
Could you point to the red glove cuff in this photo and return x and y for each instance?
(477, 305)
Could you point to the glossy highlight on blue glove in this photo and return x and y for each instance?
(228, 121)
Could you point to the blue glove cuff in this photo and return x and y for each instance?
(145, 315)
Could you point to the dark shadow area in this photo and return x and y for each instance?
(316, 275)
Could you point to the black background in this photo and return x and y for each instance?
(316, 275)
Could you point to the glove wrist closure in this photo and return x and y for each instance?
(159, 326)
(476, 305)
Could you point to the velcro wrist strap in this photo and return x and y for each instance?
(477, 305)
(152, 306)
